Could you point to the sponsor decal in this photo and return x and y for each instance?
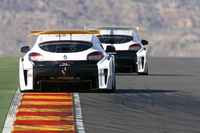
(29, 75)
(65, 63)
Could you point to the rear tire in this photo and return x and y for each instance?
(113, 83)
(142, 73)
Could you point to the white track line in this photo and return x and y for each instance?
(78, 114)
(12, 112)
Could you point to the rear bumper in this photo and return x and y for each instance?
(125, 61)
(65, 78)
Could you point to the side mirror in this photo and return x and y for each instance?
(25, 49)
(110, 48)
(144, 42)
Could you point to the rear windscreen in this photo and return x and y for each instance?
(114, 39)
(65, 46)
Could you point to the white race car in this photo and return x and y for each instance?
(122, 41)
(66, 60)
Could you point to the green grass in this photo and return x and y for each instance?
(9, 82)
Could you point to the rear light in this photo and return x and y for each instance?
(35, 57)
(135, 47)
(95, 56)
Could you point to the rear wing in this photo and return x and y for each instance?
(112, 27)
(38, 32)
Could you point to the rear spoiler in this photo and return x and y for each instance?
(37, 32)
(112, 27)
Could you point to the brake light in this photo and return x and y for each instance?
(135, 47)
(95, 56)
(36, 57)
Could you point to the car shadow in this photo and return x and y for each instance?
(143, 91)
(134, 74)
(105, 91)
(170, 75)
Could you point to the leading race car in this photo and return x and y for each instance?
(66, 60)
(122, 41)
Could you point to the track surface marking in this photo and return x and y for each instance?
(44, 113)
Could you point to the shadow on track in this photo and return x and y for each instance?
(143, 91)
(134, 74)
(169, 75)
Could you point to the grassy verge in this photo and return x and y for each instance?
(9, 82)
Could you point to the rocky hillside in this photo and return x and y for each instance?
(172, 27)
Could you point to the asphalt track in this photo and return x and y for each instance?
(165, 101)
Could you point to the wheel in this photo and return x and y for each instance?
(142, 73)
(113, 83)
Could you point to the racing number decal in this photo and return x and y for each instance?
(44, 113)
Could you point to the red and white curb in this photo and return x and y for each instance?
(46, 112)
